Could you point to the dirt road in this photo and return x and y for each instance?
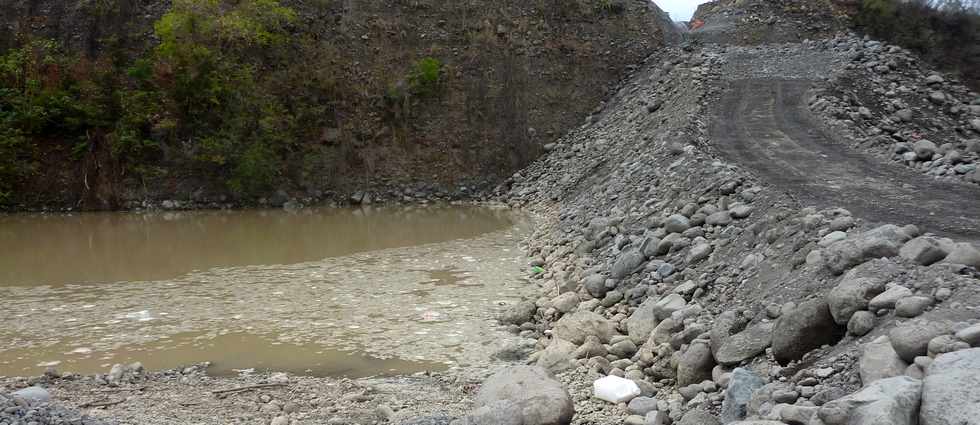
(764, 126)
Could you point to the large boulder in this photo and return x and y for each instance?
(665, 331)
(805, 327)
(557, 356)
(627, 263)
(925, 250)
(695, 364)
(746, 344)
(949, 391)
(852, 294)
(667, 305)
(720, 218)
(725, 325)
(793, 414)
(519, 313)
(738, 394)
(911, 339)
(642, 321)
(888, 299)
(522, 395)
(884, 241)
(566, 302)
(699, 417)
(879, 360)
(890, 401)
(649, 246)
(964, 253)
(596, 285)
(580, 324)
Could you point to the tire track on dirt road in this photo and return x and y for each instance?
(764, 126)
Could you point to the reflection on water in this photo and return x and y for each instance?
(115, 247)
(230, 354)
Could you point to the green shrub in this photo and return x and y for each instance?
(425, 76)
(233, 92)
(255, 171)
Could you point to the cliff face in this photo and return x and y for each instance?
(516, 75)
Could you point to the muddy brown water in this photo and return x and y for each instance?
(113, 247)
(323, 292)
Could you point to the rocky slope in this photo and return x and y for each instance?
(723, 297)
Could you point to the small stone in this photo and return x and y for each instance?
(642, 405)
(946, 344)
(721, 218)
(291, 407)
(785, 396)
(738, 394)
(824, 372)
(912, 306)
(888, 299)
(832, 237)
(924, 149)
(970, 335)
(861, 323)
(677, 224)
(842, 223)
(635, 420)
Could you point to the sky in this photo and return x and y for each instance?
(680, 10)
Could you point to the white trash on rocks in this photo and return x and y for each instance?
(615, 389)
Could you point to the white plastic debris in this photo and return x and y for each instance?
(615, 389)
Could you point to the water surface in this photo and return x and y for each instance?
(112, 247)
(321, 292)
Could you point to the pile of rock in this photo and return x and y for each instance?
(889, 103)
(718, 299)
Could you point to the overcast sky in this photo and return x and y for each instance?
(680, 10)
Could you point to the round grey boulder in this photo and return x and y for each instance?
(522, 395)
(911, 339)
